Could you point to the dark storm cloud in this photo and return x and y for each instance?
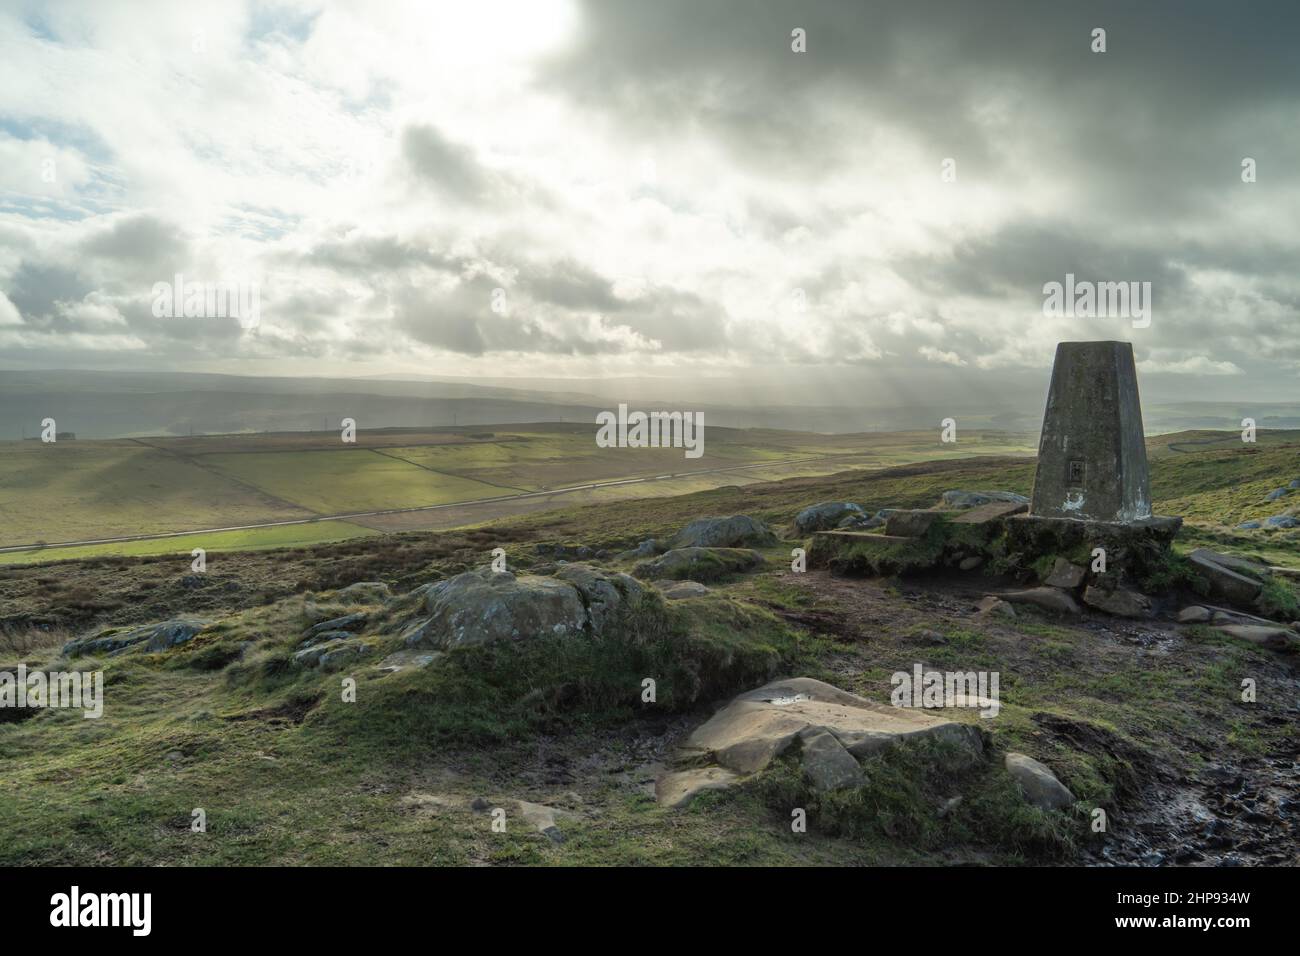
(137, 239)
(37, 286)
(450, 167)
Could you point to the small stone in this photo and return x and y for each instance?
(995, 606)
(971, 563)
(1195, 614)
(677, 789)
(1065, 575)
(1121, 602)
(1046, 598)
(683, 590)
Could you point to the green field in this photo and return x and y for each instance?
(79, 491)
(254, 539)
(361, 479)
(86, 490)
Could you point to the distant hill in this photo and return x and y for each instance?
(96, 404)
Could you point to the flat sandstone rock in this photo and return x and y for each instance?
(834, 729)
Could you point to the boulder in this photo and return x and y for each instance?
(1294, 484)
(1194, 614)
(1275, 494)
(970, 563)
(973, 499)
(1065, 575)
(911, 524)
(1224, 583)
(828, 725)
(1122, 602)
(1249, 526)
(827, 515)
(1037, 783)
(705, 564)
(479, 607)
(155, 637)
(1281, 521)
(731, 532)
(1048, 599)
(1276, 638)
(603, 592)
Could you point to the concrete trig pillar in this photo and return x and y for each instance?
(1092, 458)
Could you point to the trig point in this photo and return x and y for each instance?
(1092, 490)
(1092, 458)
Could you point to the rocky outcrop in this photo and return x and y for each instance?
(483, 606)
(700, 564)
(331, 655)
(479, 607)
(736, 531)
(827, 515)
(829, 729)
(154, 637)
(604, 593)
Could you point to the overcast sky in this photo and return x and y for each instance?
(657, 188)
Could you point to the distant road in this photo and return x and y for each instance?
(397, 511)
